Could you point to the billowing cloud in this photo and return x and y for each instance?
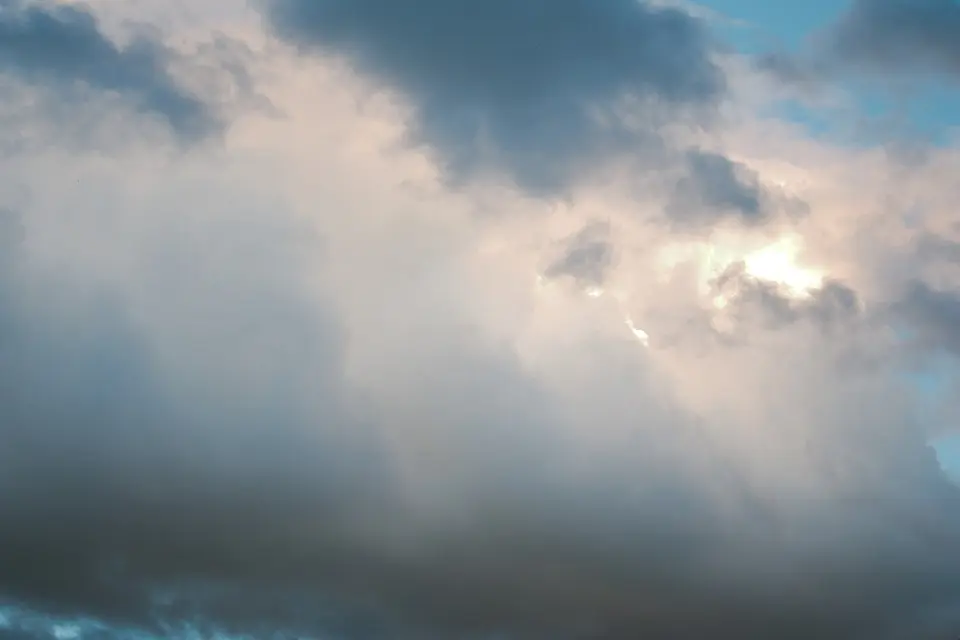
(544, 92)
(298, 387)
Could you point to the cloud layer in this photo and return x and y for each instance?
(304, 384)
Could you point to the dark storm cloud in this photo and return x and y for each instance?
(532, 88)
(59, 46)
(896, 36)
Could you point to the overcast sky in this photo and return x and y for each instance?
(479, 319)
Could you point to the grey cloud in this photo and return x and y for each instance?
(713, 187)
(934, 316)
(116, 468)
(933, 249)
(718, 183)
(882, 39)
(585, 257)
(836, 302)
(531, 88)
(59, 46)
(808, 75)
(754, 304)
(899, 36)
(785, 67)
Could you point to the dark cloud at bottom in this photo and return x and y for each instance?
(138, 497)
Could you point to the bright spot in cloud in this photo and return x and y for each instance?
(597, 292)
(641, 335)
(771, 262)
(777, 263)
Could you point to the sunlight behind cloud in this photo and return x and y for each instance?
(776, 263)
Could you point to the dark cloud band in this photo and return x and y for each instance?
(534, 89)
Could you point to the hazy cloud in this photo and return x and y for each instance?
(791, 70)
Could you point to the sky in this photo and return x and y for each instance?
(916, 104)
(479, 319)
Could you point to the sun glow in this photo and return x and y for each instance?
(774, 262)
(777, 263)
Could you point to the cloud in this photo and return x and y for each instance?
(59, 46)
(899, 36)
(299, 387)
(935, 313)
(764, 303)
(792, 70)
(880, 38)
(717, 185)
(544, 93)
(586, 256)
